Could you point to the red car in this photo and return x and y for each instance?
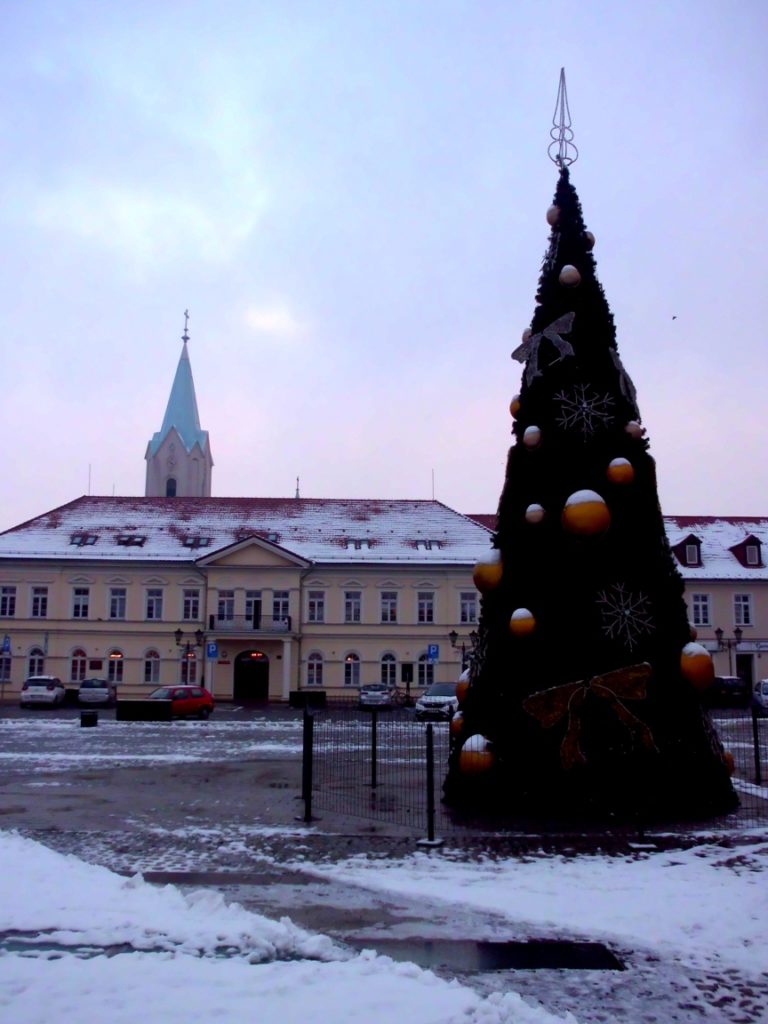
(186, 701)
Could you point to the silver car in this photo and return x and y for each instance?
(376, 695)
(43, 690)
(97, 691)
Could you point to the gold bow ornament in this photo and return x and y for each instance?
(549, 706)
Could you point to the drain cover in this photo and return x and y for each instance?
(469, 955)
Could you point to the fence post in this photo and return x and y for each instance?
(756, 745)
(374, 737)
(430, 840)
(307, 763)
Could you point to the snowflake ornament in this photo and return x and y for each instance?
(626, 615)
(584, 410)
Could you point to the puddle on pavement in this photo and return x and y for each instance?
(466, 955)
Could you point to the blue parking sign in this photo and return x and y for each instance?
(212, 649)
(433, 652)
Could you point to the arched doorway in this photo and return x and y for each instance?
(251, 677)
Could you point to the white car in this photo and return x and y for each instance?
(438, 701)
(760, 698)
(97, 691)
(42, 690)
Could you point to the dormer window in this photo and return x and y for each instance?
(130, 540)
(358, 544)
(428, 545)
(688, 552)
(749, 553)
(82, 540)
(196, 542)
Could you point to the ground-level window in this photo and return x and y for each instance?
(389, 670)
(701, 610)
(152, 667)
(5, 668)
(77, 665)
(36, 662)
(352, 670)
(188, 668)
(115, 666)
(315, 669)
(426, 671)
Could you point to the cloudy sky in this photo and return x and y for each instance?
(349, 197)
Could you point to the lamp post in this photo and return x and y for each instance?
(729, 645)
(189, 649)
(466, 652)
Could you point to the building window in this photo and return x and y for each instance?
(389, 670)
(117, 602)
(39, 602)
(7, 602)
(188, 669)
(115, 666)
(190, 610)
(352, 605)
(315, 670)
(701, 610)
(36, 663)
(280, 605)
(5, 668)
(316, 606)
(352, 670)
(389, 606)
(226, 606)
(170, 487)
(742, 609)
(752, 554)
(425, 606)
(152, 668)
(77, 665)
(467, 607)
(154, 604)
(426, 671)
(80, 600)
(253, 608)
(692, 554)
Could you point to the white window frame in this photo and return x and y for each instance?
(5, 668)
(281, 605)
(7, 602)
(78, 665)
(115, 663)
(152, 668)
(425, 607)
(742, 610)
(118, 603)
(467, 607)
(253, 598)
(316, 606)
(39, 604)
(388, 600)
(225, 606)
(752, 554)
(36, 662)
(426, 671)
(188, 668)
(315, 667)
(388, 669)
(81, 600)
(352, 669)
(153, 604)
(701, 609)
(353, 606)
(190, 604)
(692, 555)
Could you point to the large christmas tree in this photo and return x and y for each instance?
(585, 689)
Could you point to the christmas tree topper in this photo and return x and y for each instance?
(561, 150)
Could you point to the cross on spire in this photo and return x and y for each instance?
(185, 335)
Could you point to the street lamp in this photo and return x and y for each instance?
(729, 645)
(189, 648)
(466, 653)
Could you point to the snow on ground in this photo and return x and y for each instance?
(707, 906)
(80, 942)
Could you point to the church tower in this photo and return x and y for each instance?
(179, 462)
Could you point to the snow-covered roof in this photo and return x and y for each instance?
(187, 529)
(718, 536)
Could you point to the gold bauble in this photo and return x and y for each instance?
(462, 688)
(585, 513)
(553, 215)
(635, 430)
(487, 574)
(475, 757)
(729, 761)
(522, 622)
(514, 406)
(534, 514)
(457, 724)
(532, 437)
(620, 471)
(569, 276)
(697, 667)
(526, 335)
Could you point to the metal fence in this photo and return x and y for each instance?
(386, 767)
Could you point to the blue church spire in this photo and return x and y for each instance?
(181, 411)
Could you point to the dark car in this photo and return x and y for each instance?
(186, 701)
(729, 691)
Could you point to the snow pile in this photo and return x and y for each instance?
(194, 959)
